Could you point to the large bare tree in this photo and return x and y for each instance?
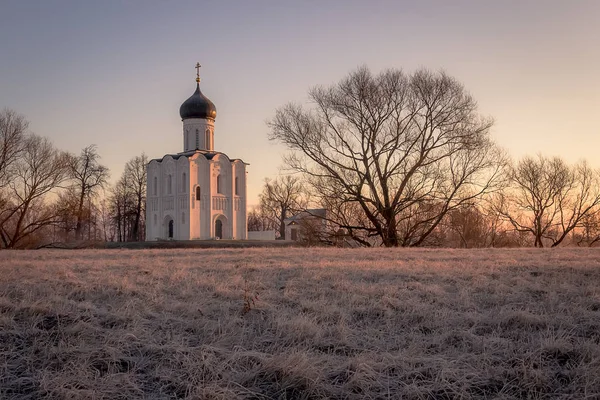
(39, 170)
(88, 177)
(406, 149)
(549, 198)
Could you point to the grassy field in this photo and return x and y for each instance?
(300, 323)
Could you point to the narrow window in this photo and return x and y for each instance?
(169, 182)
(155, 186)
(198, 193)
(208, 139)
(218, 183)
(197, 139)
(183, 218)
(154, 219)
(236, 185)
(183, 182)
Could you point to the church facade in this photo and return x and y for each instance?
(199, 193)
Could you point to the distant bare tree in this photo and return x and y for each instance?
(105, 220)
(590, 230)
(66, 215)
(127, 201)
(280, 198)
(135, 171)
(120, 204)
(39, 170)
(549, 198)
(88, 177)
(13, 128)
(406, 149)
(472, 226)
(258, 221)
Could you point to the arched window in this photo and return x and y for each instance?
(197, 139)
(154, 219)
(183, 182)
(198, 193)
(169, 184)
(183, 218)
(155, 186)
(219, 183)
(236, 185)
(208, 139)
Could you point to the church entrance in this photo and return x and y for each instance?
(221, 227)
(218, 229)
(168, 227)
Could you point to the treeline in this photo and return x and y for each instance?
(49, 196)
(543, 202)
(394, 159)
(401, 159)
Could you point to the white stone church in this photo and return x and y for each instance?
(199, 193)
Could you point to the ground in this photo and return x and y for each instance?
(300, 323)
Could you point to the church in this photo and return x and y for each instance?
(200, 193)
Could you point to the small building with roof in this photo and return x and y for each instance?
(307, 226)
(198, 193)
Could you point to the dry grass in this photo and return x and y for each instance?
(300, 324)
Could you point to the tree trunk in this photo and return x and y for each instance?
(16, 236)
(390, 234)
(282, 223)
(80, 214)
(136, 225)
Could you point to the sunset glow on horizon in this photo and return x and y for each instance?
(114, 74)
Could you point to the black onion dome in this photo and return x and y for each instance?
(198, 106)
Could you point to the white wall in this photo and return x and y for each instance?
(261, 235)
(190, 126)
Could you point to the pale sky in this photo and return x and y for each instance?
(114, 73)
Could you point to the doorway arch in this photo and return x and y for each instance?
(221, 227)
(168, 227)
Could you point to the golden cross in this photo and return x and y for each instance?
(198, 72)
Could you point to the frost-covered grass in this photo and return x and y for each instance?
(300, 324)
